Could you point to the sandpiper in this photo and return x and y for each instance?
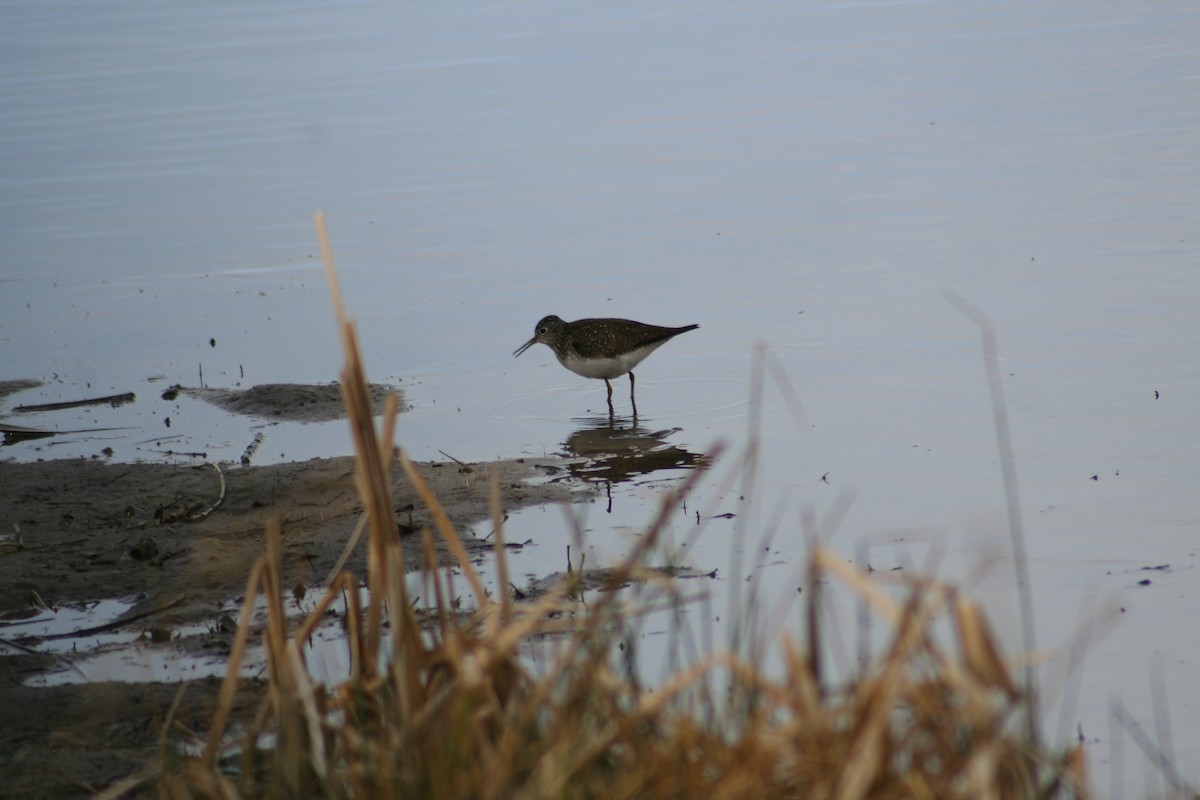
(601, 348)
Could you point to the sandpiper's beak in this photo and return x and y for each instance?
(525, 347)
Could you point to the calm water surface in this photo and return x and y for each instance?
(809, 176)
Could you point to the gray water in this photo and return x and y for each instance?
(810, 176)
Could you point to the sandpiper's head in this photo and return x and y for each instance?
(545, 332)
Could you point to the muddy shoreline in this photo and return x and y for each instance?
(82, 530)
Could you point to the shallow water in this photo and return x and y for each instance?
(806, 176)
(125, 654)
(87, 653)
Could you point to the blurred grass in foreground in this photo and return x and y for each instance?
(450, 710)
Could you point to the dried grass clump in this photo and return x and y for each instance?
(450, 709)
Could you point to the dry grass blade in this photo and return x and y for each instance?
(225, 697)
(1153, 752)
(372, 469)
(505, 610)
(442, 522)
(1012, 496)
(980, 653)
(874, 594)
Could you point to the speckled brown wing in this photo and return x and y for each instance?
(596, 338)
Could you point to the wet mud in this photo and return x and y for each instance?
(178, 543)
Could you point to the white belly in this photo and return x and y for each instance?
(608, 367)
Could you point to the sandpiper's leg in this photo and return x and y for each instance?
(609, 385)
(631, 383)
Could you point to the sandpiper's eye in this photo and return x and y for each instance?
(543, 329)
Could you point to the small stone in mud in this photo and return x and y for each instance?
(171, 393)
(160, 634)
(144, 550)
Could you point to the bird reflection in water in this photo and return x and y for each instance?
(618, 449)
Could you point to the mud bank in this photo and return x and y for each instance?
(73, 532)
